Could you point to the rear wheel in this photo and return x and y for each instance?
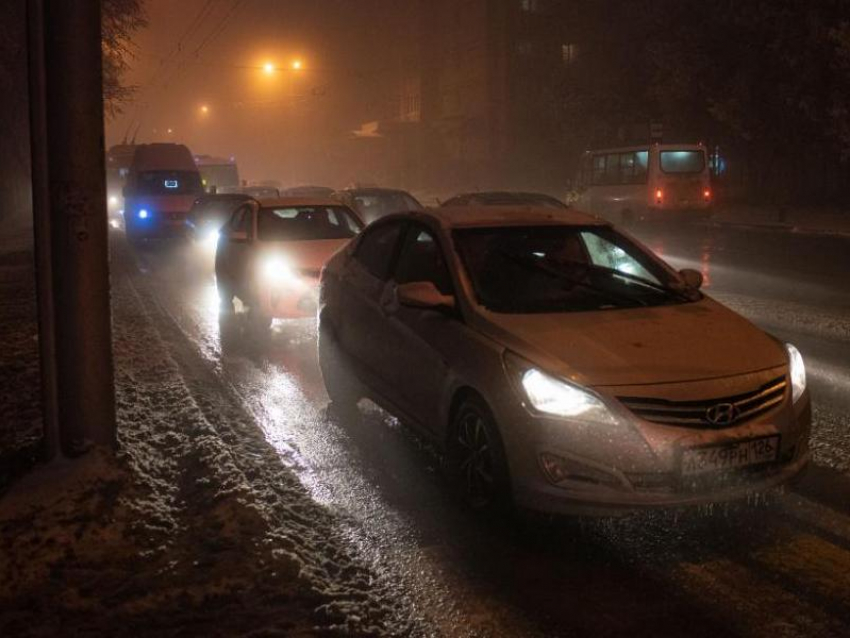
(477, 459)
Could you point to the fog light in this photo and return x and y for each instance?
(557, 470)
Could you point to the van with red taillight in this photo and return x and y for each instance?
(660, 181)
(162, 185)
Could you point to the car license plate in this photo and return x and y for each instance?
(729, 456)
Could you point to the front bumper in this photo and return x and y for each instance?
(297, 300)
(610, 472)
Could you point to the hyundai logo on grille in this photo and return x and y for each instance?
(721, 414)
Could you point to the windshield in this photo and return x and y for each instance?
(302, 223)
(168, 183)
(682, 161)
(541, 269)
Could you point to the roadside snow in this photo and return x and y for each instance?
(20, 413)
(194, 528)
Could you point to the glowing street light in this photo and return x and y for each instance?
(205, 109)
(268, 68)
(297, 65)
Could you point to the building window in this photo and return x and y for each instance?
(568, 53)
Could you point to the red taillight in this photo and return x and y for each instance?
(706, 193)
(659, 195)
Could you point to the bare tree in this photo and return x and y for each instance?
(121, 19)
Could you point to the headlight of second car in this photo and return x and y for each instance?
(550, 395)
(797, 369)
(276, 270)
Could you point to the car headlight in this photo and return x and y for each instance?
(550, 395)
(211, 239)
(276, 270)
(798, 372)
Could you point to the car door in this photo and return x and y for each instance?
(361, 322)
(419, 341)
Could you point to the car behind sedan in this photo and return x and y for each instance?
(559, 364)
(270, 254)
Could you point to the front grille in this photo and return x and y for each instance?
(703, 413)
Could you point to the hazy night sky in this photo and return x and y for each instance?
(282, 125)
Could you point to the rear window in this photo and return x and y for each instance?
(304, 223)
(682, 161)
(168, 183)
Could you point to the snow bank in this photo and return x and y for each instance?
(194, 527)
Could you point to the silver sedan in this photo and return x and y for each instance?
(559, 364)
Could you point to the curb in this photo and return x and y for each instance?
(779, 228)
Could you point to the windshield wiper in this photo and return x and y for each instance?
(680, 294)
(532, 264)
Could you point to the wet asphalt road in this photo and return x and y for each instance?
(752, 569)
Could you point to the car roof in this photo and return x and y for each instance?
(299, 201)
(491, 216)
(373, 189)
(506, 197)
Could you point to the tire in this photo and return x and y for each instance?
(476, 458)
(260, 322)
(343, 389)
(225, 297)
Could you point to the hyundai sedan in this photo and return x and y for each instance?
(559, 364)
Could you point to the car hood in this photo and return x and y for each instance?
(312, 255)
(665, 344)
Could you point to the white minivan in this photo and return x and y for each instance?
(659, 181)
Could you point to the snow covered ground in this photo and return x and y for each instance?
(20, 415)
(186, 531)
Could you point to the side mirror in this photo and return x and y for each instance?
(423, 294)
(692, 278)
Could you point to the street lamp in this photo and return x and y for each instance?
(297, 65)
(205, 109)
(268, 68)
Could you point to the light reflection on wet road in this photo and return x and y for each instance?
(747, 570)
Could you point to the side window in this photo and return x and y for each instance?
(422, 259)
(604, 253)
(641, 166)
(377, 247)
(598, 169)
(612, 169)
(241, 219)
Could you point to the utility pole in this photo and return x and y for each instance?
(69, 208)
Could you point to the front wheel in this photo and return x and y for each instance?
(476, 457)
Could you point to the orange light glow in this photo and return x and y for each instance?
(297, 65)
(268, 68)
